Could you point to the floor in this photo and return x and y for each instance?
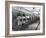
(33, 26)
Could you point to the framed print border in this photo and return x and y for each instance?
(7, 3)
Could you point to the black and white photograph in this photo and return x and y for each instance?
(25, 18)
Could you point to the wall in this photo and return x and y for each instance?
(2, 19)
